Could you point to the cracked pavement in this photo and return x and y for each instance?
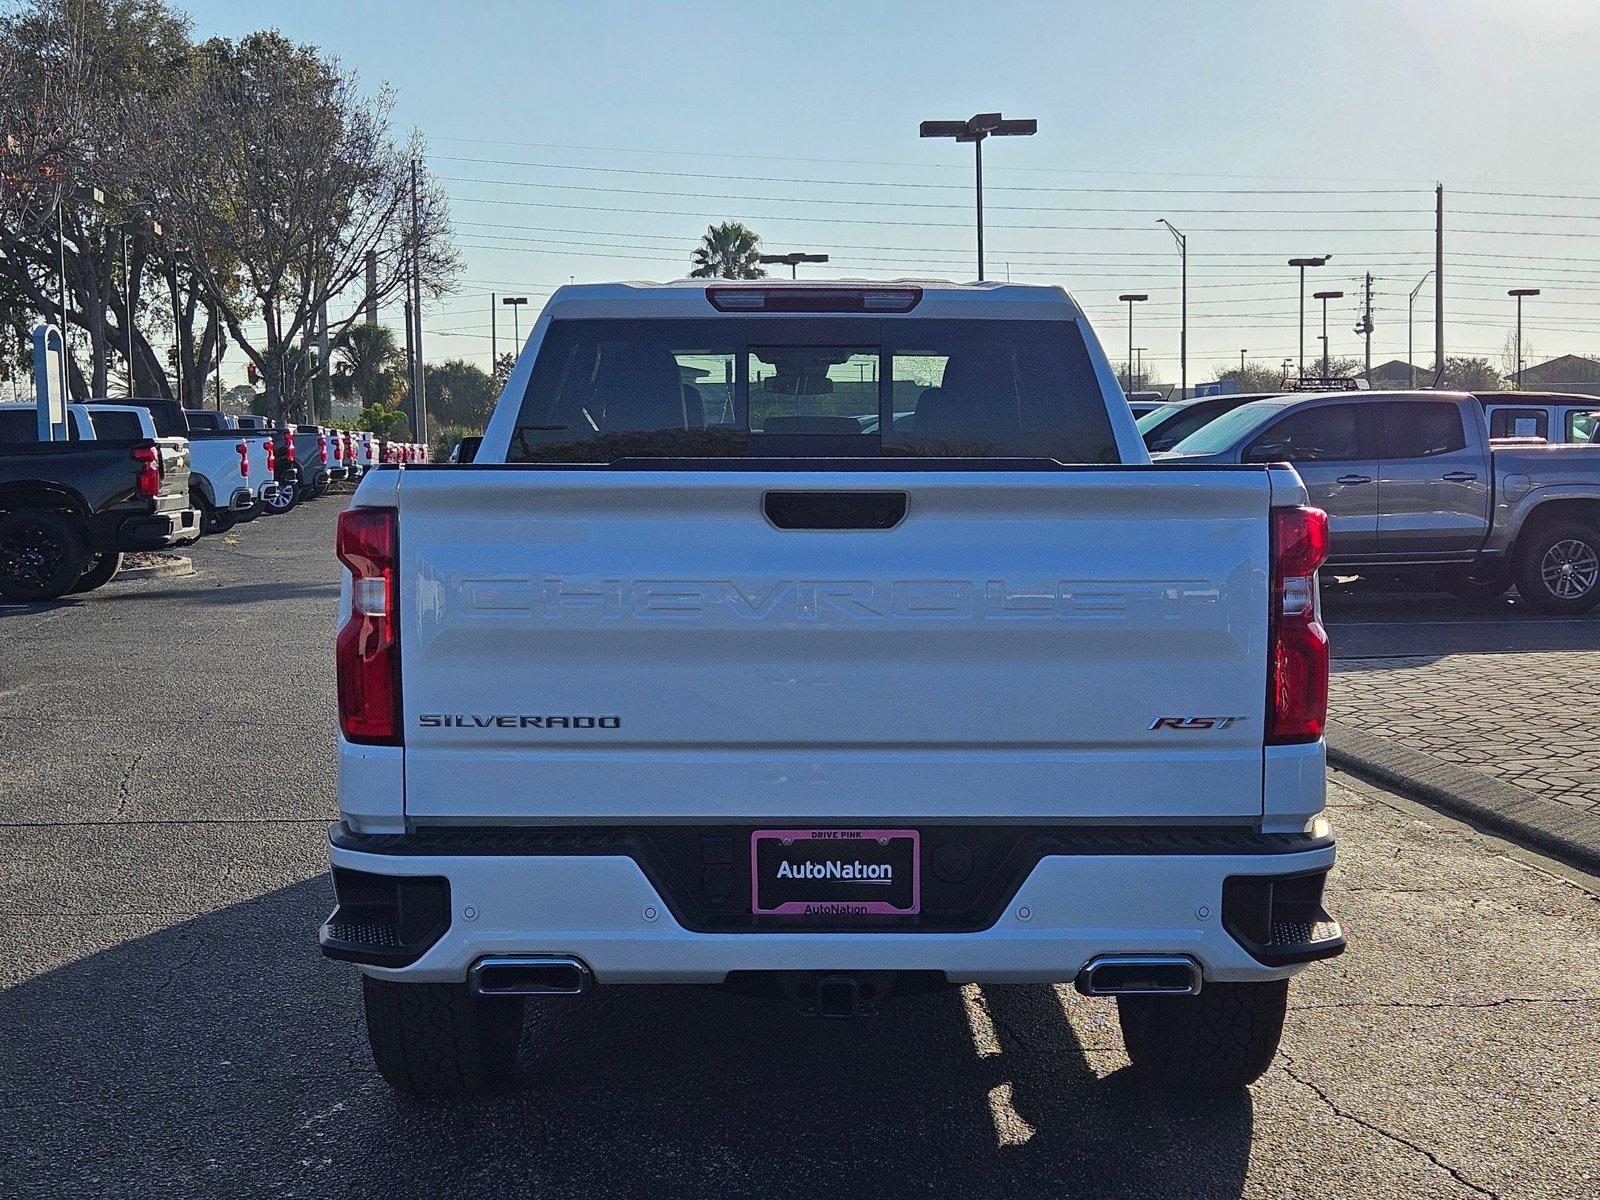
(171, 1029)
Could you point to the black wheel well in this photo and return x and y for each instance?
(1555, 512)
(42, 495)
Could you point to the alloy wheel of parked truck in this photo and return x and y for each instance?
(831, 643)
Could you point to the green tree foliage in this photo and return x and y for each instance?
(728, 251)
(385, 421)
(368, 366)
(460, 394)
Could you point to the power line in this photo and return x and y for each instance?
(920, 185)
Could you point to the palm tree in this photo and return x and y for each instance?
(367, 358)
(728, 251)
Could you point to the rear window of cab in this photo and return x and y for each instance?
(609, 389)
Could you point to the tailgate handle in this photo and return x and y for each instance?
(835, 510)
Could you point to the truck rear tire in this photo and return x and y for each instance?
(101, 571)
(438, 1039)
(41, 556)
(1220, 1040)
(1558, 568)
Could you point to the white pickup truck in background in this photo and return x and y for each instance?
(834, 641)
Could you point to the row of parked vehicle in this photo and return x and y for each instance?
(138, 474)
(1479, 492)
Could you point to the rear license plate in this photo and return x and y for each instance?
(835, 872)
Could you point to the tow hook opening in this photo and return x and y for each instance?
(1140, 975)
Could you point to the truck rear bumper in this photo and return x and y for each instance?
(159, 530)
(423, 917)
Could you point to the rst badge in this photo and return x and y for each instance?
(1195, 723)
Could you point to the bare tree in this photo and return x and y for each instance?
(277, 176)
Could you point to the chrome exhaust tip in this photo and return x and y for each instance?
(1139, 975)
(529, 975)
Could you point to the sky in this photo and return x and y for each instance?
(596, 141)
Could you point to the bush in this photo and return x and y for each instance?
(444, 438)
(385, 422)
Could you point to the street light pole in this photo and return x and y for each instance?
(792, 261)
(1411, 354)
(1138, 374)
(1303, 263)
(494, 334)
(515, 303)
(1325, 297)
(975, 129)
(1183, 325)
(1519, 293)
(1131, 298)
(1241, 366)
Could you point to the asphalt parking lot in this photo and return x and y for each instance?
(170, 1028)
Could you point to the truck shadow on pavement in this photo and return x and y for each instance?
(224, 1056)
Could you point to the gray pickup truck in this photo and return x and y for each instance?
(1412, 481)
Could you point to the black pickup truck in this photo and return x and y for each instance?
(68, 510)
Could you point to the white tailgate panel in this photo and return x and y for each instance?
(1002, 653)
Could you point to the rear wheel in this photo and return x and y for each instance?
(212, 518)
(1558, 568)
(101, 571)
(288, 496)
(438, 1039)
(1220, 1040)
(41, 556)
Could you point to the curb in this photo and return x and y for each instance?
(1561, 830)
(177, 565)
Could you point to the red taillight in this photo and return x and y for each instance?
(149, 479)
(244, 459)
(322, 446)
(338, 446)
(288, 447)
(368, 647)
(1297, 689)
(272, 457)
(349, 447)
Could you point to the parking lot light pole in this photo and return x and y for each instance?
(975, 129)
(1411, 354)
(1131, 298)
(1519, 293)
(1183, 322)
(1325, 297)
(1242, 353)
(1138, 374)
(515, 302)
(1303, 263)
(792, 261)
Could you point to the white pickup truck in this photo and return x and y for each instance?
(834, 641)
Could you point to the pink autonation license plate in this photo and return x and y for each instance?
(835, 872)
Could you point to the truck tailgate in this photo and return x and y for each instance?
(639, 646)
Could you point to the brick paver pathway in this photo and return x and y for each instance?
(1527, 719)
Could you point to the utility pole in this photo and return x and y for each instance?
(420, 410)
(1241, 364)
(1364, 326)
(61, 283)
(127, 298)
(324, 353)
(372, 287)
(494, 335)
(216, 323)
(1438, 281)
